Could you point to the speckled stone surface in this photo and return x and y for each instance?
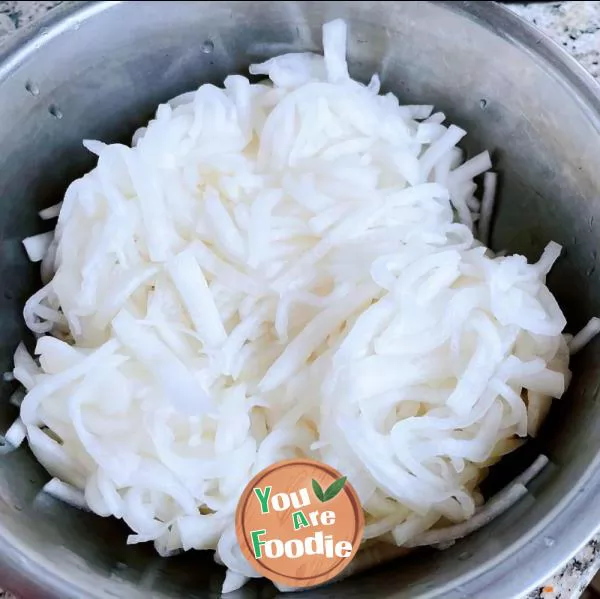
(571, 581)
(573, 25)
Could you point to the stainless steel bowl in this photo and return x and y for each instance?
(97, 70)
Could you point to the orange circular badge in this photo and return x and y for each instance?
(299, 523)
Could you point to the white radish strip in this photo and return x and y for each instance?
(65, 492)
(50, 212)
(37, 246)
(419, 111)
(589, 331)
(532, 471)
(438, 149)
(493, 508)
(438, 117)
(549, 256)
(94, 146)
(547, 382)
(16, 434)
(470, 169)
(290, 70)
(225, 230)
(25, 367)
(487, 206)
(30, 311)
(192, 287)
(158, 232)
(334, 49)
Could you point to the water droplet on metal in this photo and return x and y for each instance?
(207, 47)
(32, 88)
(483, 103)
(549, 541)
(55, 112)
(465, 555)
(76, 26)
(44, 31)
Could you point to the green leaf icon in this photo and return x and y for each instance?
(333, 489)
(318, 490)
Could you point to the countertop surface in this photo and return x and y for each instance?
(573, 25)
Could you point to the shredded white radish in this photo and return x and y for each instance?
(285, 269)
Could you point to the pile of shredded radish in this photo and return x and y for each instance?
(288, 268)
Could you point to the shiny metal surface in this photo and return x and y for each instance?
(102, 68)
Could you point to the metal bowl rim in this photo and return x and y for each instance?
(575, 518)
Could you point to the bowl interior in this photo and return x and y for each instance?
(104, 70)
